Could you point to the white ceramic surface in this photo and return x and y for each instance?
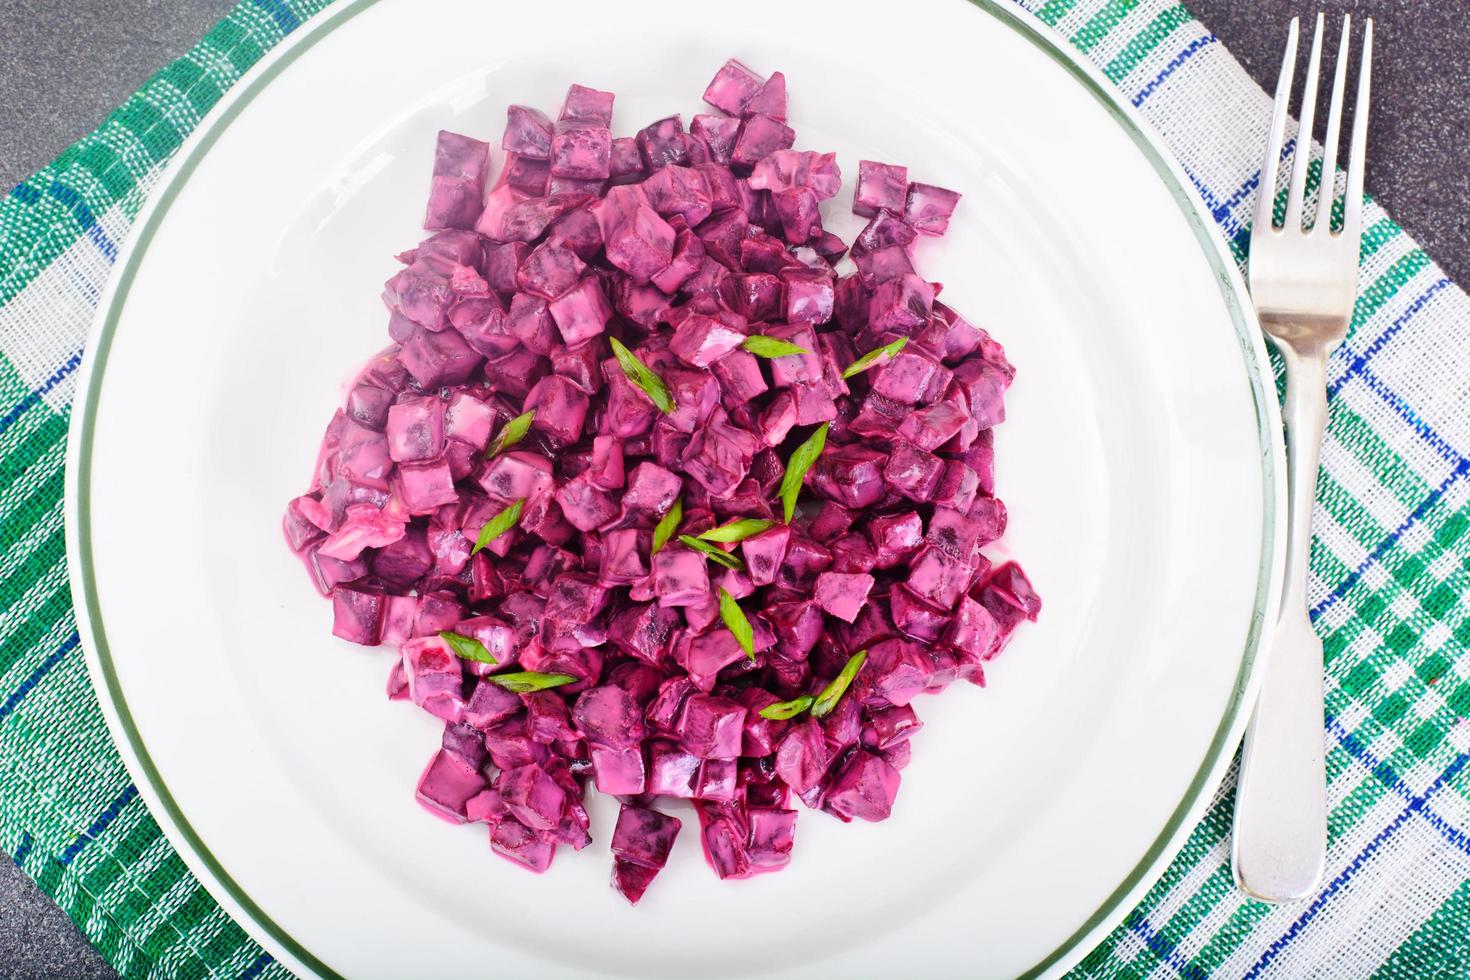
(1139, 464)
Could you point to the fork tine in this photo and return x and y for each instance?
(1266, 198)
(1297, 193)
(1328, 190)
(1352, 214)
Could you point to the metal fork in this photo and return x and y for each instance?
(1304, 282)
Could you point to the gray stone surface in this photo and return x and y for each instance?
(64, 64)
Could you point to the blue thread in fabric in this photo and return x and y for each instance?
(1189, 52)
(257, 968)
(29, 684)
(1163, 948)
(1385, 774)
(24, 850)
(1402, 408)
(281, 14)
(1354, 866)
(1392, 539)
(105, 245)
(103, 821)
(19, 408)
(1401, 321)
(73, 200)
(25, 194)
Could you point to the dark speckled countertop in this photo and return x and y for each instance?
(64, 64)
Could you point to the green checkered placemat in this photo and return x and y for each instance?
(1391, 566)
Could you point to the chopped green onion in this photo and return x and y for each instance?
(737, 624)
(467, 647)
(511, 433)
(498, 525)
(796, 468)
(782, 710)
(643, 377)
(526, 681)
(770, 347)
(871, 357)
(833, 692)
(667, 525)
(738, 530)
(714, 554)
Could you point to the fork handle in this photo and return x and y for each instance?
(1281, 798)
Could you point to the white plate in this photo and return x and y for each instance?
(1141, 465)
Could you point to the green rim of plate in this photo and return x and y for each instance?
(293, 48)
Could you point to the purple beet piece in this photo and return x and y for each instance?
(760, 136)
(435, 679)
(895, 537)
(933, 425)
(642, 244)
(631, 880)
(901, 304)
(532, 796)
(609, 716)
(526, 175)
(785, 169)
(415, 429)
(549, 271)
(880, 187)
(851, 475)
(718, 133)
(671, 771)
(732, 88)
(910, 376)
(712, 727)
(724, 843)
(458, 183)
(842, 595)
(644, 837)
(626, 163)
(424, 487)
(798, 211)
(587, 104)
(582, 312)
(517, 475)
(701, 340)
(447, 784)
(865, 788)
(911, 471)
(661, 143)
(468, 419)
(527, 133)
(619, 772)
(357, 614)
(938, 578)
(928, 208)
(809, 295)
(679, 191)
(581, 150)
(759, 296)
(914, 617)
(560, 407)
(801, 758)
(771, 99)
(706, 655)
(438, 359)
(680, 577)
(587, 507)
(516, 842)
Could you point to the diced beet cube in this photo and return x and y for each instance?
(883, 264)
(622, 557)
(437, 611)
(609, 716)
(932, 426)
(719, 455)
(759, 296)
(582, 312)
(447, 784)
(516, 476)
(662, 143)
(680, 577)
(424, 487)
(901, 305)
(587, 104)
(587, 507)
(910, 376)
(574, 599)
(771, 99)
(785, 169)
(851, 555)
(798, 211)
(801, 758)
(644, 837)
(939, 578)
(880, 186)
(796, 368)
(759, 136)
(619, 772)
(489, 705)
(913, 616)
(532, 797)
(865, 788)
(702, 340)
(357, 614)
(1012, 584)
(724, 844)
(485, 807)
(631, 880)
(581, 150)
(415, 429)
(438, 359)
(842, 595)
(687, 260)
(368, 404)
(928, 208)
(706, 655)
(671, 771)
(469, 420)
(680, 191)
(549, 271)
(765, 552)
(814, 403)
(718, 779)
(712, 727)
(626, 161)
(809, 295)
(740, 377)
(912, 471)
(895, 537)
(529, 321)
(851, 475)
(732, 88)
(560, 407)
(641, 245)
(526, 175)
(973, 629)
(516, 842)
(718, 133)
(435, 679)
(458, 184)
(527, 133)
